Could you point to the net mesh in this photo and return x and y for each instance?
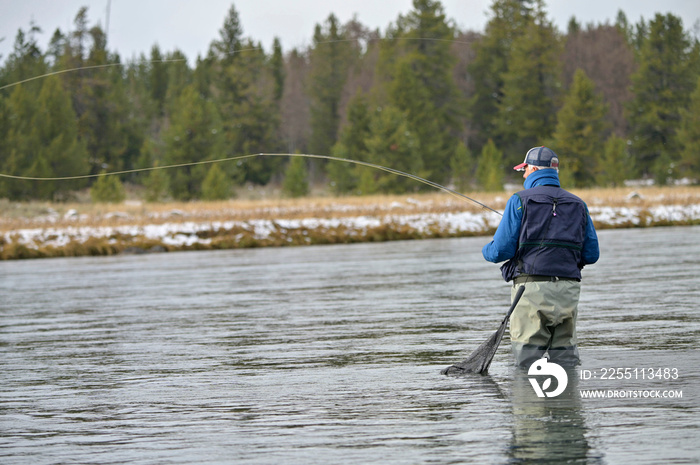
(479, 360)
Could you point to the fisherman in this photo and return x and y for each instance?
(547, 236)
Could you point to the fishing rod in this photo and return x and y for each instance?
(243, 157)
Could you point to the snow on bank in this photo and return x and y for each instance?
(660, 214)
(188, 234)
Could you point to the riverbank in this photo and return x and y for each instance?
(42, 230)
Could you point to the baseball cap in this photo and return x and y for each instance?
(542, 157)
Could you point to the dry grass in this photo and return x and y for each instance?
(15, 215)
(56, 234)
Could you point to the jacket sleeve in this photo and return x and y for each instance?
(591, 251)
(505, 241)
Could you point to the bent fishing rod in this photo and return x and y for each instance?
(243, 157)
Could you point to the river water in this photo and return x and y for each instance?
(332, 354)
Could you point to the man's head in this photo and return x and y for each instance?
(538, 158)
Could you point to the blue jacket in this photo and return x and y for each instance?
(506, 240)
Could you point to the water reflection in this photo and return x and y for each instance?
(549, 430)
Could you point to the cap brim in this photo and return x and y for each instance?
(520, 167)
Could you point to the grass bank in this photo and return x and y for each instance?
(41, 230)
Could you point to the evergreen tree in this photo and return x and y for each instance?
(4, 149)
(25, 61)
(136, 81)
(462, 167)
(508, 22)
(19, 141)
(526, 112)
(329, 61)
(58, 142)
(391, 144)
(689, 137)
(278, 74)
(106, 122)
(179, 77)
(352, 145)
(42, 141)
(614, 163)
(581, 131)
(216, 185)
(244, 91)
(107, 189)
(158, 78)
(489, 172)
(231, 36)
(624, 26)
(412, 97)
(296, 176)
(422, 86)
(157, 185)
(194, 135)
(661, 87)
(19, 137)
(56, 47)
(104, 114)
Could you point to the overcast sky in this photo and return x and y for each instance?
(191, 25)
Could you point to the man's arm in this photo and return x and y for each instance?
(591, 251)
(505, 241)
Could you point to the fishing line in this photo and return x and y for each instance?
(109, 65)
(243, 157)
(181, 60)
(70, 70)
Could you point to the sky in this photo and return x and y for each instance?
(191, 25)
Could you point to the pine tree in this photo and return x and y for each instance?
(158, 79)
(58, 138)
(278, 74)
(581, 131)
(107, 189)
(508, 22)
(662, 86)
(462, 167)
(111, 136)
(296, 183)
(330, 62)
(391, 144)
(344, 178)
(42, 141)
(255, 117)
(489, 172)
(421, 85)
(26, 59)
(4, 149)
(20, 139)
(179, 77)
(157, 185)
(231, 36)
(411, 96)
(244, 88)
(614, 163)
(194, 135)
(689, 137)
(216, 185)
(526, 112)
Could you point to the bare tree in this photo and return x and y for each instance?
(604, 54)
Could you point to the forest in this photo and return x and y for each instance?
(615, 101)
